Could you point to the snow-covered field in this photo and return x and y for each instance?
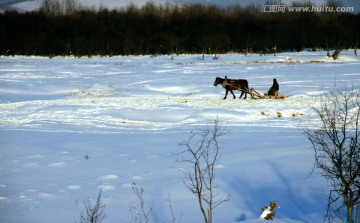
(69, 126)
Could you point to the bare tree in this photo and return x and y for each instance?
(94, 213)
(337, 52)
(336, 143)
(60, 7)
(139, 214)
(51, 7)
(202, 151)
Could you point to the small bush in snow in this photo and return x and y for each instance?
(94, 213)
(268, 212)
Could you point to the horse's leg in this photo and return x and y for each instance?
(233, 94)
(226, 93)
(242, 94)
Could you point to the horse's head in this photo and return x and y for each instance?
(217, 81)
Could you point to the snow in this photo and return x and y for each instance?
(70, 126)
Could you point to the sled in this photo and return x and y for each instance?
(256, 95)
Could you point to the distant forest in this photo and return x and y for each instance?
(67, 28)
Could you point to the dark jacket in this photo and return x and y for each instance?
(274, 87)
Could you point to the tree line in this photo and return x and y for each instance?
(167, 29)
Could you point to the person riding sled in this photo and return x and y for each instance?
(273, 91)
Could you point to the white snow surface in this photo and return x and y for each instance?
(69, 126)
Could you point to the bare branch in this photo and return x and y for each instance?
(141, 212)
(337, 150)
(202, 151)
(94, 213)
(171, 210)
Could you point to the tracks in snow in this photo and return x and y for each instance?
(117, 113)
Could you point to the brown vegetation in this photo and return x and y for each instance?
(69, 28)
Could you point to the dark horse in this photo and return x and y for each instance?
(233, 84)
